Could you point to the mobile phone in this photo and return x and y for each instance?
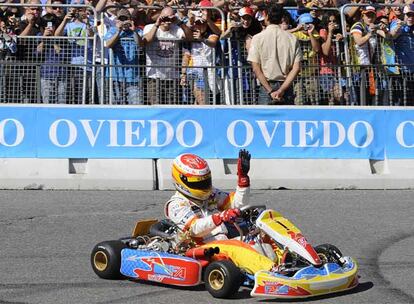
(49, 24)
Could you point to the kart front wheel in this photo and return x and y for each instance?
(222, 279)
(106, 259)
(329, 253)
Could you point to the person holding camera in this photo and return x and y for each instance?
(365, 44)
(402, 32)
(77, 26)
(200, 53)
(306, 88)
(125, 40)
(30, 26)
(51, 52)
(331, 36)
(162, 40)
(8, 49)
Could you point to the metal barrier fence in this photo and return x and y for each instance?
(81, 70)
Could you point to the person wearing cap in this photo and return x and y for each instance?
(276, 58)
(402, 33)
(306, 88)
(125, 41)
(199, 53)
(244, 28)
(162, 41)
(206, 13)
(365, 42)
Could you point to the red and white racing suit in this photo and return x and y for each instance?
(196, 217)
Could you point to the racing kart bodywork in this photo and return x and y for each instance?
(270, 255)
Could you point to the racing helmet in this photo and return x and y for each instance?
(192, 176)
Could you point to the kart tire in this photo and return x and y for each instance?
(222, 279)
(328, 253)
(106, 259)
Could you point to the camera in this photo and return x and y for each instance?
(167, 19)
(306, 26)
(238, 24)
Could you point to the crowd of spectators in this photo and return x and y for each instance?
(173, 36)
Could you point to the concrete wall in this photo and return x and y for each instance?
(148, 174)
(82, 174)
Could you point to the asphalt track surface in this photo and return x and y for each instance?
(46, 238)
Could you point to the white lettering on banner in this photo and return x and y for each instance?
(399, 133)
(249, 133)
(169, 133)
(369, 133)
(288, 134)
(113, 133)
(306, 133)
(19, 132)
(133, 135)
(327, 134)
(198, 133)
(129, 133)
(73, 133)
(88, 130)
(265, 133)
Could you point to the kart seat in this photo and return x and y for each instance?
(164, 228)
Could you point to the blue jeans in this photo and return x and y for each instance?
(126, 93)
(53, 90)
(288, 97)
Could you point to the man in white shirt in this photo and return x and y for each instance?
(162, 40)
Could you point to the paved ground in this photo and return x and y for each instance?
(46, 238)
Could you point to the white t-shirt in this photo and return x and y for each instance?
(202, 55)
(164, 51)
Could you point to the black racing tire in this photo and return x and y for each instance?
(106, 259)
(328, 253)
(222, 279)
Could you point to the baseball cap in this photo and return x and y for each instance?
(259, 16)
(369, 9)
(408, 9)
(205, 3)
(305, 18)
(246, 11)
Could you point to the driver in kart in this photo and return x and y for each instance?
(197, 207)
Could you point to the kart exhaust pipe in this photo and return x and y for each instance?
(202, 253)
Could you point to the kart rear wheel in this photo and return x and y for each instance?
(222, 279)
(106, 259)
(329, 253)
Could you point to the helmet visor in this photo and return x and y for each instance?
(197, 182)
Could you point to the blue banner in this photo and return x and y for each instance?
(165, 132)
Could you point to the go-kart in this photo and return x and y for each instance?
(269, 255)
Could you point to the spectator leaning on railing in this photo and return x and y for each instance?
(125, 40)
(201, 54)
(402, 31)
(8, 49)
(162, 40)
(76, 26)
(309, 39)
(276, 59)
(364, 34)
(331, 35)
(52, 54)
